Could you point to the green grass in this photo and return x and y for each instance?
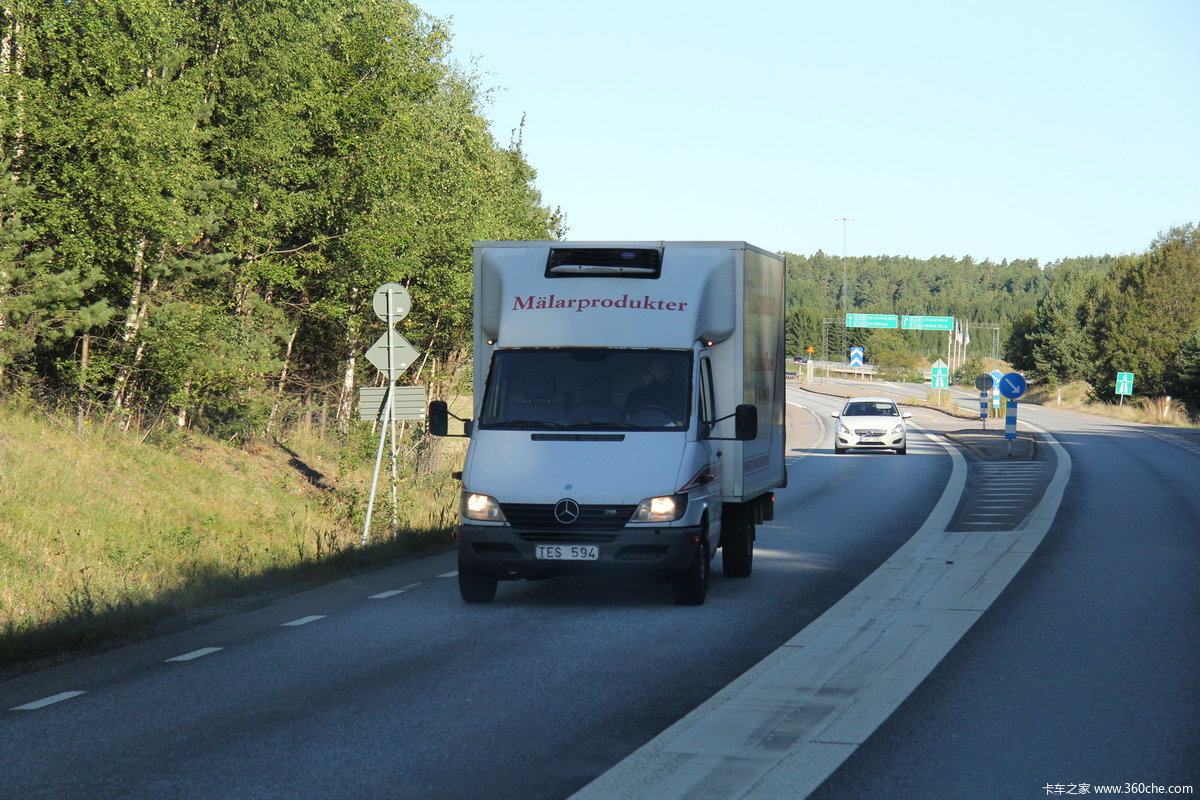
(103, 534)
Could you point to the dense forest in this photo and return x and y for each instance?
(197, 201)
(1082, 319)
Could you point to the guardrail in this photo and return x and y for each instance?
(842, 368)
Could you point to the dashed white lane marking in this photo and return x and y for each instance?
(47, 701)
(392, 592)
(453, 574)
(303, 621)
(203, 651)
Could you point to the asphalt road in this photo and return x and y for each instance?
(387, 686)
(1085, 672)
(417, 695)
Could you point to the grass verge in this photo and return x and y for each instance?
(106, 536)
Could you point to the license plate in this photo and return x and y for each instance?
(567, 552)
(870, 440)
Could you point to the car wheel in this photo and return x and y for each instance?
(902, 450)
(837, 451)
(691, 587)
(475, 586)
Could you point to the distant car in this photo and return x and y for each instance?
(871, 423)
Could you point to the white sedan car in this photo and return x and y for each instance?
(871, 423)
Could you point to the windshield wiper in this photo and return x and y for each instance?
(523, 423)
(606, 426)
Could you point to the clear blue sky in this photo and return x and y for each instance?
(1019, 129)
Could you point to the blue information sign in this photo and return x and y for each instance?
(1012, 385)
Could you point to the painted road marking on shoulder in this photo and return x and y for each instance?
(203, 651)
(781, 728)
(453, 574)
(47, 701)
(821, 428)
(303, 621)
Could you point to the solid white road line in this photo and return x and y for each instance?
(203, 651)
(47, 701)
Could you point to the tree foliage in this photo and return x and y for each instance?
(198, 199)
(1080, 319)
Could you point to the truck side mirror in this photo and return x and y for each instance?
(439, 418)
(745, 422)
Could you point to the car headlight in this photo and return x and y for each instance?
(843, 429)
(667, 508)
(480, 507)
(899, 428)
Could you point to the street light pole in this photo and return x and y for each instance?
(845, 285)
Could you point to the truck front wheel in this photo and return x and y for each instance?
(475, 586)
(691, 587)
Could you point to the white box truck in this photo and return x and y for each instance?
(628, 414)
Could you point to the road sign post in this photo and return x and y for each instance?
(1124, 385)
(996, 376)
(1011, 386)
(392, 355)
(1010, 423)
(983, 382)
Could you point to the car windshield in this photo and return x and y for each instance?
(870, 409)
(579, 389)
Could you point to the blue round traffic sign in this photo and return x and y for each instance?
(1012, 385)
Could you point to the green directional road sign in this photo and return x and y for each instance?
(912, 323)
(872, 321)
(939, 376)
(1125, 383)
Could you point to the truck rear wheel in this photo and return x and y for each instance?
(691, 587)
(737, 550)
(475, 586)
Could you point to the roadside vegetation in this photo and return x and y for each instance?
(1074, 322)
(104, 532)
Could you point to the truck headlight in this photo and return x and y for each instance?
(667, 508)
(480, 507)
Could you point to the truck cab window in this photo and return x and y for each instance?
(588, 389)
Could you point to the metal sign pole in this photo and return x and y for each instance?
(391, 417)
(392, 354)
(383, 431)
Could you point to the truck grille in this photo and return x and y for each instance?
(536, 522)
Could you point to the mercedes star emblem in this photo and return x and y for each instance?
(566, 511)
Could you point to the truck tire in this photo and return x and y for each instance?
(475, 586)
(691, 587)
(737, 546)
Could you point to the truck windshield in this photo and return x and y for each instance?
(588, 389)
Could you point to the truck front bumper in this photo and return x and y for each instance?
(510, 553)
